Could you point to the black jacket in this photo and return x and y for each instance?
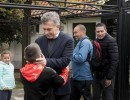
(110, 57)
(42, 88)
(60, 56)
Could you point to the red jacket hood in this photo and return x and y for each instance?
(31, 72)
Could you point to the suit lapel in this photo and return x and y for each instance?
(58, 43)
(45, 47)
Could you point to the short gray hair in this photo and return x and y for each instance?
(51, 16)
(82, 27)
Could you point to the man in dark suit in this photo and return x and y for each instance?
(57, 48)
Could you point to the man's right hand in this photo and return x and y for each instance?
(41, 60)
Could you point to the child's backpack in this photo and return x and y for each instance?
(95, 60)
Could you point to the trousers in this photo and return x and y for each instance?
(100, 92)
(5, 94)
(80, 88)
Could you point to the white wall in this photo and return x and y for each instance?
(40, 29)
(68, 27)
(16, 49)
(34, 37)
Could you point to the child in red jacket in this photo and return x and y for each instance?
(39, 80)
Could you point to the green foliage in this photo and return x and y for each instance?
(11, 23)
(13, 1)
(3, 0)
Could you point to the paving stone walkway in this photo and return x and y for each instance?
(17, 94)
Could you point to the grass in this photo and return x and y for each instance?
(17, 79)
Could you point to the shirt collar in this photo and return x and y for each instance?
(85, 37)
(56, 35)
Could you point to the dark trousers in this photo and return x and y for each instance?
(5, 94)
(80, 88)
(62, 97)
(100, 92)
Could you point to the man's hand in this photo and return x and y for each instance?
(107, 83)
(41, 60)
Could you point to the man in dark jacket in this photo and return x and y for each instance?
(57, 48)
(104, 75)
(39, 80)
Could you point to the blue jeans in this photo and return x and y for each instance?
(5, 94)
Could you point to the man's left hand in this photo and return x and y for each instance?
(107, 83)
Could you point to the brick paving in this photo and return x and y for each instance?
(17, 94)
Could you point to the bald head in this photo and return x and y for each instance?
(79, 31)
(81, 28)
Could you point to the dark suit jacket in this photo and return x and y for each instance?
(60, 56)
